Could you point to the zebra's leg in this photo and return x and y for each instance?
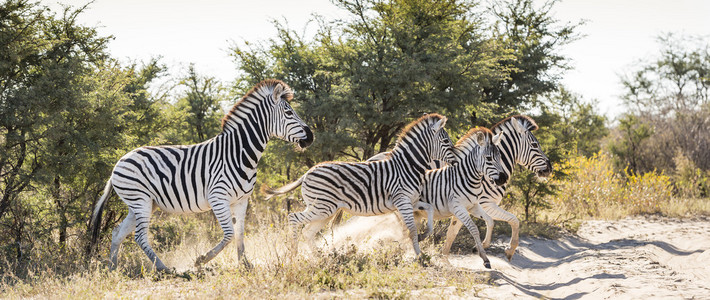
(224, 218)
(406, 212)
(478, 212)
(312, 229)
(143, 215)
(119, 234)
(430, 218)
(310, 215)
(461, 213)
(451, 234)
(499, 214)
(239, 211)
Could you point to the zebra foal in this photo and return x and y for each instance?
(372, 188)
(217, 174)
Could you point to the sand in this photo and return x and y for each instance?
(634, 258)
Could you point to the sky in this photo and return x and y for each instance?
(616, 34)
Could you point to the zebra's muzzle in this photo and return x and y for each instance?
(501, 180)
(545, 172)
(303, 143)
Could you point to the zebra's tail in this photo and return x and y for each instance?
(96, 216)
(284, 189)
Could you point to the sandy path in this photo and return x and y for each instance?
(634, 258)
(628, 259)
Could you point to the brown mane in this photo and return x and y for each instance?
(423, 118)
(288, 93)
(471, 132)
(531, 124)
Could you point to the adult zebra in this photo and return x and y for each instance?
(218, 174)
(372, 188)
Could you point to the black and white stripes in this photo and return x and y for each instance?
(453, 190)
(218, 174)
(517, 146)
(373, 188)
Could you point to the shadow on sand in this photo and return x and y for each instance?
(571, 248)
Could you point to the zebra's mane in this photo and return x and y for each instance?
(260, 92)
(468, 140)
(527, 122)
(429, 119)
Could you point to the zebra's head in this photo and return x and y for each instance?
(442, 147)
(285, 123)
(487, 157)
(530, 155)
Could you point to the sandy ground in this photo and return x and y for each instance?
(634, 258)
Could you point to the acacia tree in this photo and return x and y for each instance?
(43, 60)
(67, 113)
(360, 80)
(535, 37)
(198, 110)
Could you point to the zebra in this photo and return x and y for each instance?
(372, 188)
(517, 145)
(217, 174)
(453, 190)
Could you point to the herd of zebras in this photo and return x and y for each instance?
(219, 174)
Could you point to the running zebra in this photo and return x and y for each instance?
(453, 190)
(517, 145)
(217, 174)
(372, 188)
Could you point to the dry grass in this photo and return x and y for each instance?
(384, 271)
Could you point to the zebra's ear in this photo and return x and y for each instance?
(439, 125)
(481, 139)
(518, 127)
(496, 139)
(281, 93)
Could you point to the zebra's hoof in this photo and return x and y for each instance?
(200, 261)
(424, 260)
(509, 253)
(487, 264)
(486, 245)
(247, 265)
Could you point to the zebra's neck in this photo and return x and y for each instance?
(509, 147)
(246, 133)
(468, 170)
(413, 158)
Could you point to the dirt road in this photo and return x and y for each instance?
(634, 258)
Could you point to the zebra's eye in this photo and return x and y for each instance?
(534, 145)
(289, 112)
(489, 158)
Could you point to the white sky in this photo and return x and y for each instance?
(618, 33)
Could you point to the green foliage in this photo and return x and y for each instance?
(67, 113)
(629, 147)
(534, 36)
(57, 86)
(198, 110)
